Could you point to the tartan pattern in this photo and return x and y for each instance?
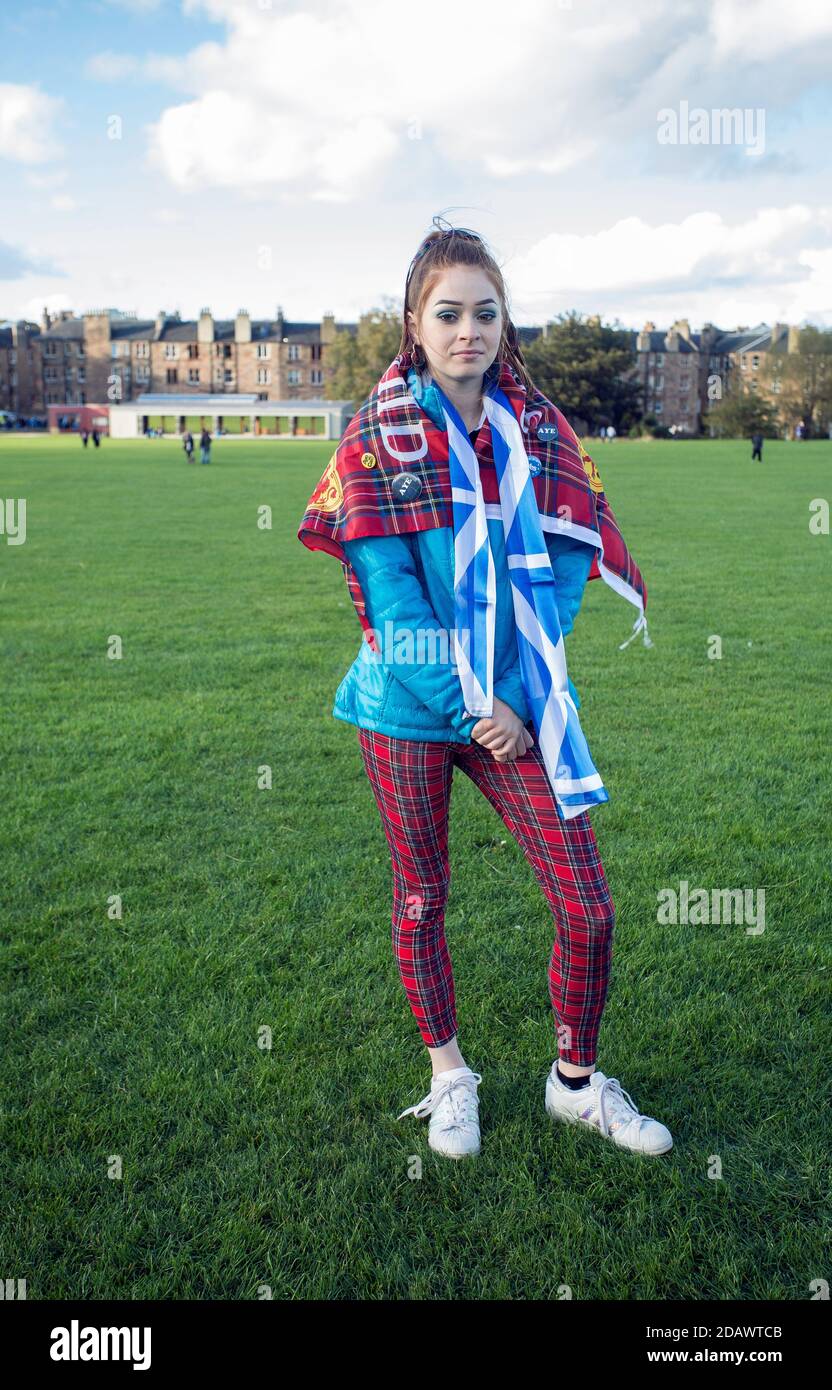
(354, 498)
(411, 781)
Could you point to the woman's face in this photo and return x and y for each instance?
(460, 326)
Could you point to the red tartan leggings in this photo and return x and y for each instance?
(411, 780)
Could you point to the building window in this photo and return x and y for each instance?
(660, 384)
(659, 359)
(264, 349)
(171, 376)
(293, 378)
(171, 350)
(264, 376)
(293, 353)
(658, 408)
(229, 376)
(316, 376)
(193, 350)
(142, 372)
(82, 376)
(50, 349)
(142, 349)
(315, 352)
(80, 349)
(193, 374)
(755, 361)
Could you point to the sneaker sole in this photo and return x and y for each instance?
(443, 1153)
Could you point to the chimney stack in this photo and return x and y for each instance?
(205, 327)
(643, 338)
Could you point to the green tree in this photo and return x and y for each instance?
(741, 413)
(587, 369)
(360, 358)
(805, 381)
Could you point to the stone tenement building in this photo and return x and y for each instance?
(676, 368)
(108, 357)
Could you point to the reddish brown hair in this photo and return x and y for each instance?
(448, 246)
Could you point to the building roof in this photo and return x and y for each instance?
(657, 338)
(65, 328)
(201, 403)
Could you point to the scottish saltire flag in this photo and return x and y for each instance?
(574, 779)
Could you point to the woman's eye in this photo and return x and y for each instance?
(449, 314)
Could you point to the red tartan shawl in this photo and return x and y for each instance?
(360, 491)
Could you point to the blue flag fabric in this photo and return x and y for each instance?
(574, 779)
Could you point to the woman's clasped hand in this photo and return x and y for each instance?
(503, 733)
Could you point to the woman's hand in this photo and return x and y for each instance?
(502, 733)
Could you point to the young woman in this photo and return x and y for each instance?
(468, 518)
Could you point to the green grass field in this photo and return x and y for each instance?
(135, 1040)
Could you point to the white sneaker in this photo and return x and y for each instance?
(603, 1104)
(453, 1106)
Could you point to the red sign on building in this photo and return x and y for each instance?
(74, 418)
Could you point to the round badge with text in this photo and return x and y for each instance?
(406, 487)
(547, 432)
(534, 465)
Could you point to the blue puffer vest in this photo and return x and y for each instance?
(408, 583)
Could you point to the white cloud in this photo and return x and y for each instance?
(755, 30)
(775, 263)
(333, 95)
(324, 100)
(228, 140)
(53, 179)
(64, 202)
(33, 308)
(26, 117)
(111, 67)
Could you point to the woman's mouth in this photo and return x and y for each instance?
(468, 353)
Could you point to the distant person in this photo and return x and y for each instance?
(756, 447)
(188, 446)
(205, 447)
(800, 431)
(96, 438)
(610, 432)
(85, 437)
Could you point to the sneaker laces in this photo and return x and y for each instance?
(616, 1106)
(459, 1093)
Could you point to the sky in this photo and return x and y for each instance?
(181, 154)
